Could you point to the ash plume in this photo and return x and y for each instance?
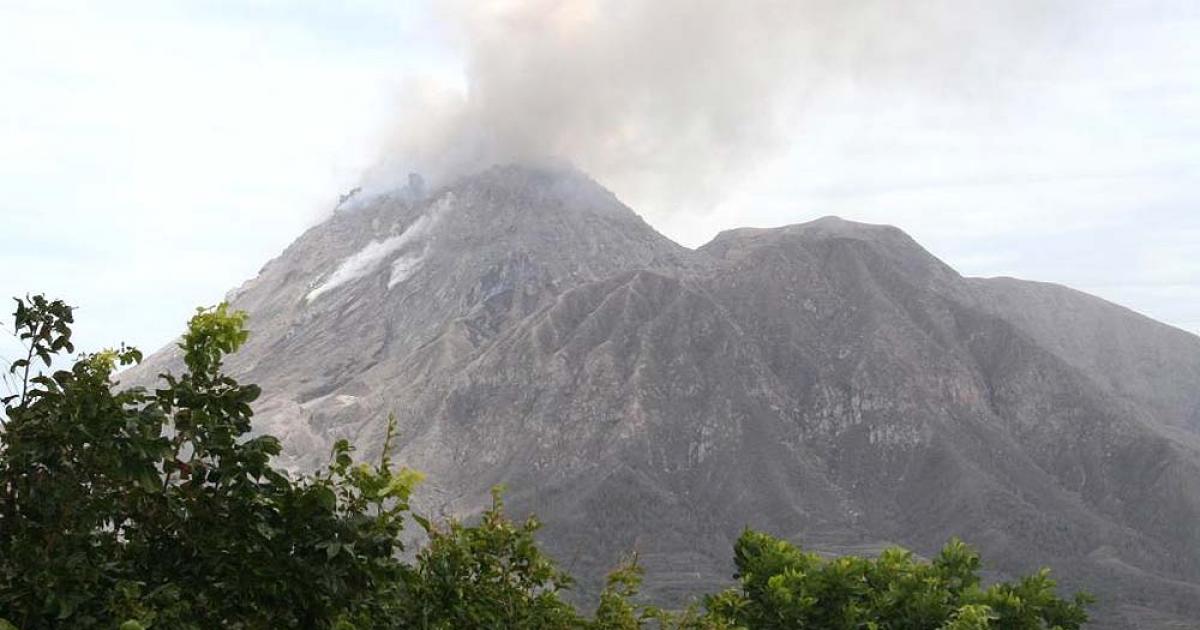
(667, 101)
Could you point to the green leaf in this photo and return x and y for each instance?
(66, 608)
(325, 498)
(148, 479)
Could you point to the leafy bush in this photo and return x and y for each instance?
(784, 587)
(137, 509)
(157, 508)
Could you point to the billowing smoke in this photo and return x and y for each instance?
(666, 101)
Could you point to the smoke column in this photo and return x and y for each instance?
(665, 101)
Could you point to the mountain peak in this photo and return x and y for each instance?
(550, 214)
(525, 187)
(392, 270)
(835, 225)
(824, 227)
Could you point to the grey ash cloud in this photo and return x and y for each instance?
(673, 99)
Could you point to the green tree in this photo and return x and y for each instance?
(160, 509)
(784, 587)
(491, 575)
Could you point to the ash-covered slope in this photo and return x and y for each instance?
(394, 279)
(831, 382)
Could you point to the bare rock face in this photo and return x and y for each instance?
(830, 382)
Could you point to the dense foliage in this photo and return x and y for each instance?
(783, 587)
(158, 509)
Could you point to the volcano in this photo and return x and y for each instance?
(830, 382)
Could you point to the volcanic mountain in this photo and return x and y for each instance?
(829, 382)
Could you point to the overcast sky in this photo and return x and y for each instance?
(154, 154)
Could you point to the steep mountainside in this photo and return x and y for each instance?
(831, 382)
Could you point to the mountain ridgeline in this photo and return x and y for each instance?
(829, 382)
